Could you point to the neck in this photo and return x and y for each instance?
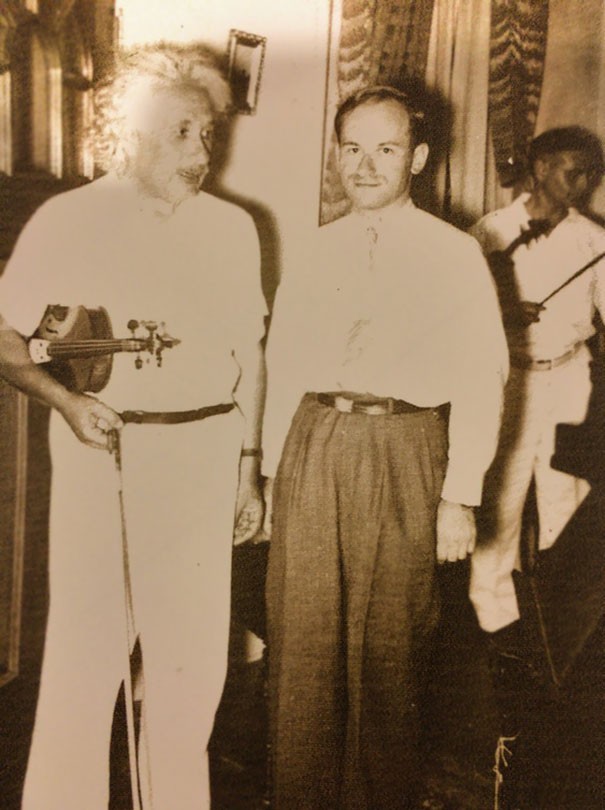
(377, 214)
(539, 206)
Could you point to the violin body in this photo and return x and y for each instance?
(75, 325)
(77, 344)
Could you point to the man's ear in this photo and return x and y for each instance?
(419, 158)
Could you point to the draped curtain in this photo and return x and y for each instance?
(517, 55)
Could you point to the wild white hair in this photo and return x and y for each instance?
(138, 72)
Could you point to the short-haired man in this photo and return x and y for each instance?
(549, 381)
(390, 315)
(143, 243)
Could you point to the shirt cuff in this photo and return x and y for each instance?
(462, 486)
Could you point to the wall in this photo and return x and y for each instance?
(275, 161)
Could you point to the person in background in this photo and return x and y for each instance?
(549, 381)
(389, 321)
(144, 242)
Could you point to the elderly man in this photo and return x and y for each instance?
(143, 243)
(550, 375)
(390, 322)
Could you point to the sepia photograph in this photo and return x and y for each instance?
(302, 404)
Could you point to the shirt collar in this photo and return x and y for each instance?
(383, 219)
(572, 213)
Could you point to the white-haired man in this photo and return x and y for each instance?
(142, 242)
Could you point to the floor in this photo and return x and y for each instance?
(476, 694)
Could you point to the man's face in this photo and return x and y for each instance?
(174, 144)
(375, 157)
(564, 178)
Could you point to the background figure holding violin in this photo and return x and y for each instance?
(535, 245)
(178, 271)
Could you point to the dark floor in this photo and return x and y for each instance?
(552, 758)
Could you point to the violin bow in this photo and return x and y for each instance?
(573, 277)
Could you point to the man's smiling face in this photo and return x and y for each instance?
(376, 157)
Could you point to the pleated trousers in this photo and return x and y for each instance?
(352, 605)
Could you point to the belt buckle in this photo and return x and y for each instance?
(344, 405)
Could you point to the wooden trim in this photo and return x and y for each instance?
(20, 500)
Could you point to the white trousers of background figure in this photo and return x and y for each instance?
(180, 483)
(535, 402)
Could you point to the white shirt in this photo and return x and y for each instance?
(540, 267)
(407, 310)
(196, 269)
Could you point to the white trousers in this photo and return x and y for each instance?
(535, 402)
(179, 485)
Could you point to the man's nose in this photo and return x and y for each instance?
(200, 150)
(367, 165)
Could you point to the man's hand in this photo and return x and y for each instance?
(530, 312)
(456, 531)
(90, 419)
(248, 513)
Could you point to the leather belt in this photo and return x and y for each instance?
(173, 417)
(379, 407)
(519, 361)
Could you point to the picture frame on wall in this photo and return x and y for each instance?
(246, 54)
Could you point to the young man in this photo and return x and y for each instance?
(550, 376)
(390, 321)
(144, 243)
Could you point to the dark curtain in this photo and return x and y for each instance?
(517, 53)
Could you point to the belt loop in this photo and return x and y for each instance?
(390, 405)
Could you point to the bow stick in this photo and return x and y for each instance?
(586, 267)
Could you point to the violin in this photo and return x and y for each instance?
(501, 259)
(78, 345)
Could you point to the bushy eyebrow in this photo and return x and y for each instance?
(383, 143)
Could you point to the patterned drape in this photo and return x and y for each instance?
(381, 42)
(517, 53)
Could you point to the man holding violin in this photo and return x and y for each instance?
(177, 273)
(545, 257)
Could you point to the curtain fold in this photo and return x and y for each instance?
(517, 55)
(458, 71)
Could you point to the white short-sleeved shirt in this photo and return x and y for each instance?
(195, 269)
(540, 267)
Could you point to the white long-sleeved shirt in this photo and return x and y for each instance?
(540, 267)
(406, 309)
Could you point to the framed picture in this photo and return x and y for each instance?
(246, 55)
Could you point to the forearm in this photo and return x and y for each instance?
(17, 369)
(250, 397)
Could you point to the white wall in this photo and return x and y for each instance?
(276, 153)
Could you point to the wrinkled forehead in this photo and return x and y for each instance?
(156, 105)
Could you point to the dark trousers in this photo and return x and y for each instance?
(352, 604)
